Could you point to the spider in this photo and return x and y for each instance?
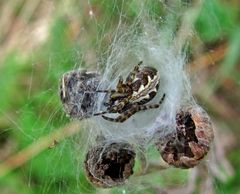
(131, 96)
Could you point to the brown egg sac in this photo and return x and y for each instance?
(77, 93)
(110, 164)
(191, 140)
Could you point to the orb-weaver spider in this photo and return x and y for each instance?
(131, 96)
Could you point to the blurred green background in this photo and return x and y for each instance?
(42, 39)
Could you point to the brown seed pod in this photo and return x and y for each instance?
(110, 164)
(77, 93)
(190, 142)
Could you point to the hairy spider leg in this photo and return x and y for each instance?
(117, 108)
(106, 91)
(100, 113)
(136, 68)
(152, 106)
(124, 116)
(132, 74)
(120, 84)
(122, 103)
(135, 108)
(120, 81)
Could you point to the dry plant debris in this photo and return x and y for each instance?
(191, 141)
(110, 164)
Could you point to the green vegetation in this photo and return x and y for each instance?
(42, 40)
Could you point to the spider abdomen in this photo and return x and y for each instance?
(145, 85)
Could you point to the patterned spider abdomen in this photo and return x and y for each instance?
(144, 85)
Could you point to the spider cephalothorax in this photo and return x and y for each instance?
(140, 87)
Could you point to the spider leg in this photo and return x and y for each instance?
(152, 106)
(131, 111)
(131, 75)
(123, 103)
(105, 91)
(162, 99)
(136, 68)
(124, 116)
(120, 81)
(100, 113)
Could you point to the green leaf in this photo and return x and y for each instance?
(215, 20)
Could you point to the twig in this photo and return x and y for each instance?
(153, 166)
(208, 59)
(219, 105)
(37, 147)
